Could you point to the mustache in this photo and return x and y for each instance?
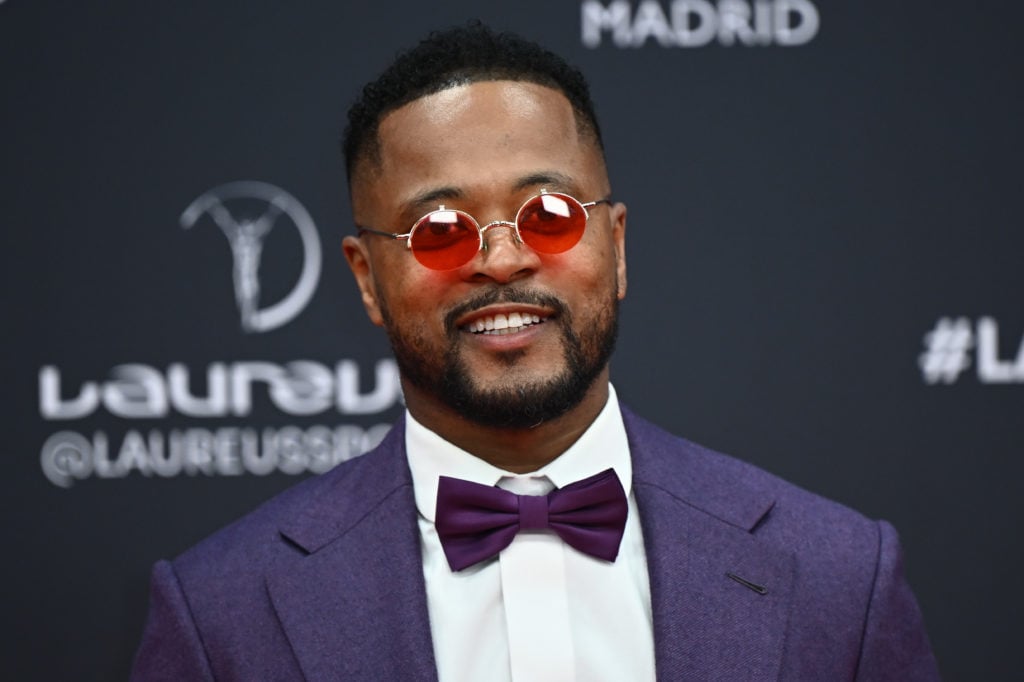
(506, 294)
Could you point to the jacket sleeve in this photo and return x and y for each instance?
(895, 645)
(171, 647)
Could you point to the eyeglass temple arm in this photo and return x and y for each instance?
(360, 229)
(590, 204)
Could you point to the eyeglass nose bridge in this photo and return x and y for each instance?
(500, 223)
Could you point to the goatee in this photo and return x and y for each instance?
(515, 404)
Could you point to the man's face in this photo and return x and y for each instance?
(485, 148)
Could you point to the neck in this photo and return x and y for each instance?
(517, 450)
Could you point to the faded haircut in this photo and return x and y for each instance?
(453, 57)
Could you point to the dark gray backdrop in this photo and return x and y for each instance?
(802, 216)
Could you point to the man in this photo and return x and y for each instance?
(491, 251)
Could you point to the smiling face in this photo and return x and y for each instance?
(514, 337)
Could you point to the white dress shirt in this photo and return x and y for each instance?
(541, 611)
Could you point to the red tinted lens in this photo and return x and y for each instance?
(551, 223)
(445, 239)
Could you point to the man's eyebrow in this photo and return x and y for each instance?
(431, 196)
(554, 179)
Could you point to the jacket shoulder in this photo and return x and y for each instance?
(742, 494)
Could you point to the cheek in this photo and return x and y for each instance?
(594, 267)
(414, 298)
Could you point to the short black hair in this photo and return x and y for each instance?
(458, 56)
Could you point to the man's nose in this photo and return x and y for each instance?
(504, 257)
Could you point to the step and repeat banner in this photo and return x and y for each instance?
(825, 257)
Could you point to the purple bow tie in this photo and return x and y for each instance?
(475, 521)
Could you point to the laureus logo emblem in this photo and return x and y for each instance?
(245, 230)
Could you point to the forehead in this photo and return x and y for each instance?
(482, 136)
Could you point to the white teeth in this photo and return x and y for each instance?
(502, 324)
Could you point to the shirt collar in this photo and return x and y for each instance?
(602, 446)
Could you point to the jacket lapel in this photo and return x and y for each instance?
(352, 601)
(720, 595)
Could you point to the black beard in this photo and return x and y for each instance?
(516, 407)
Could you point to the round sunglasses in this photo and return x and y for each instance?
(445, 239)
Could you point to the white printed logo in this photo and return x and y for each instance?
(947, 353)
(145, 393)
(246, 234)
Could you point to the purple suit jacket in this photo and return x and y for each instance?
(325, 582)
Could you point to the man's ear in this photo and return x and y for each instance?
(618, 212)
(359, 261)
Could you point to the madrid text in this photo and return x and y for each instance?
(697, 23)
